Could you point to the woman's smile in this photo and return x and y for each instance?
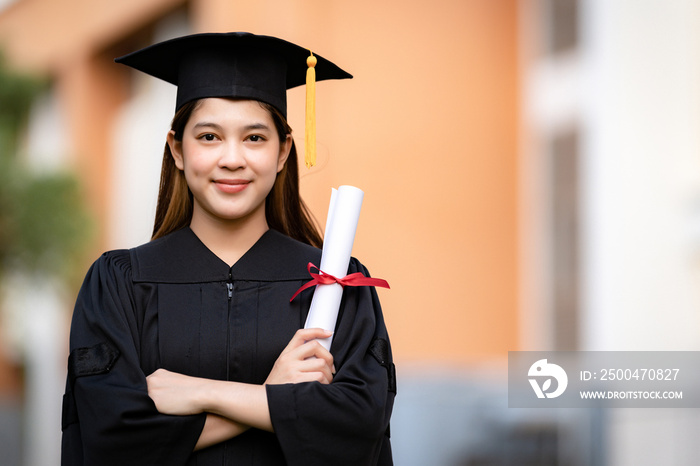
(230, 186)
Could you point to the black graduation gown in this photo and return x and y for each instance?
(172, 303)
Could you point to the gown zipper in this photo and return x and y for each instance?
(229, 289)
(229, 285)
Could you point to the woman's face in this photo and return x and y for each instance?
(230, 154)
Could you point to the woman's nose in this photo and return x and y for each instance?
(232, 156)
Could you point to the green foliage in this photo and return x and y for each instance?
(17, 92)
(44, 226)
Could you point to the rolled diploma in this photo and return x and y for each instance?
(341, 225)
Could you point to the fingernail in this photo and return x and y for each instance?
(334, 371)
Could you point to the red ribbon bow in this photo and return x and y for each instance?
(323, 278)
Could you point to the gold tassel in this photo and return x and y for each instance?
(310, 155)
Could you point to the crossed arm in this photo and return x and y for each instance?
(234, 407)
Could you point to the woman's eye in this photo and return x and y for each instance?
(209, 137)
(255, 138)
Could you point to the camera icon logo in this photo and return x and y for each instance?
(542, 370)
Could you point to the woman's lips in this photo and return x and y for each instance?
(231, 186)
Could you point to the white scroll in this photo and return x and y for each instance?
(341, 225)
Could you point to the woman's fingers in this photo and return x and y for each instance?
(307, 334)
(303, 360)
(173, 393)
(318, 366)
(301, 365)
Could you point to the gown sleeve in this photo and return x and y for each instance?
(108, 417)
(345, 422)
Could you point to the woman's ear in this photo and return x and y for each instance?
(285, 149)
(176, 150)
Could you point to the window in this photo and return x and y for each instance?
(561, 25)
(564, 150)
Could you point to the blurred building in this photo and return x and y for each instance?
(531, 174)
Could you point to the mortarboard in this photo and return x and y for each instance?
(237, 64)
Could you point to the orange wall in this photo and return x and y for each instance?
(50, 35)
(427, 129)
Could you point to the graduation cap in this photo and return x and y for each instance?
(238, 64)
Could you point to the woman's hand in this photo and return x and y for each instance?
(177, 394)
(303, 360)
(244, 404)
(174, 393)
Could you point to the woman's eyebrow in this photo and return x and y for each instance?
(252, 126)
(206, 124)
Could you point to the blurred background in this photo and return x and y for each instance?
(531, 172)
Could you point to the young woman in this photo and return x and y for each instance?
(187, 350)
